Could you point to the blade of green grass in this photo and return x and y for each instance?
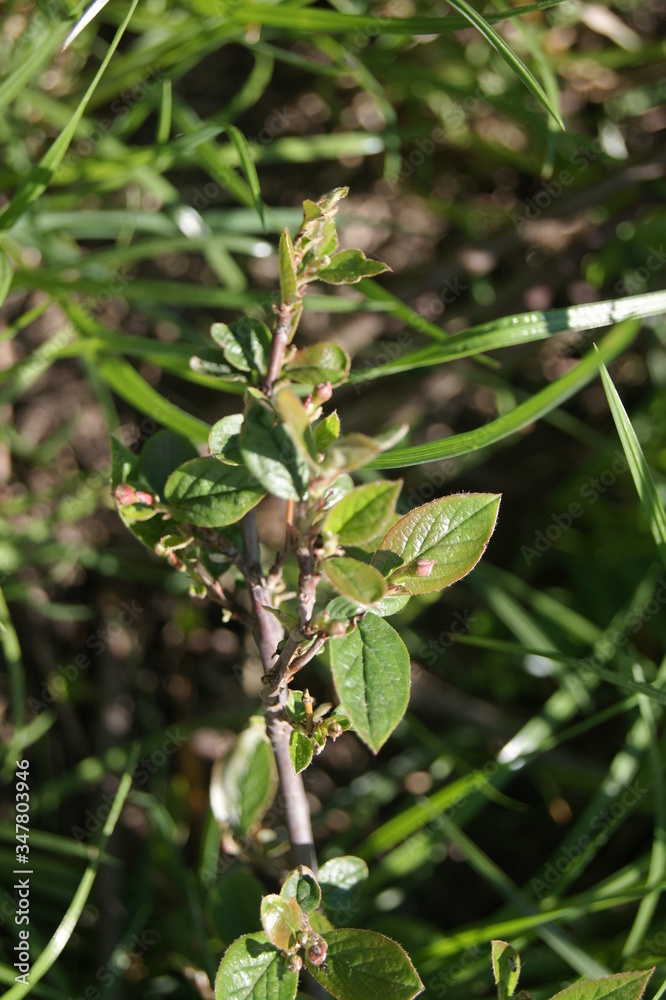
(38, 180)
(317, 19)
(526, 77)
(532, 409)
(645, 486)
(6, 274)
(510, 331)
(63, 933)
(657, 869)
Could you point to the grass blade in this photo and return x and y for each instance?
(39, 178)
(334, 22)
(645, 486)
(66, 927)
(508, 331)
(532, 409)
(526, 77)
(242, 147)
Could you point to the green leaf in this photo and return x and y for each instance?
(439, 543)
(327, 431)
(233, 902)
(301, 750)
(270, 453)
(351, 452)
(302, 885)
(246, 343)
(364, 965)
(364, 513)
(296, 421)
(124, 464)
(340, 880)
(6, 274)
(621, 986)
(287, 266)
(282, 919)
(355, 579)
(252, 969)
(207, 493)
(342, 607)
(349, 266)
(162, 454)
(244, 784)
(371, 675)
(506, 968)
(640, 471)
(341, 486)
(322, 362)
(224, 439)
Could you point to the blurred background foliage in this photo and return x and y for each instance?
(147, 233)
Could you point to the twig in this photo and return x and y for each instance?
(269, 634)
(282, 333)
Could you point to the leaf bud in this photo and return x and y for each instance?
(317, 950)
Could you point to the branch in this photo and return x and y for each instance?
(269, 633)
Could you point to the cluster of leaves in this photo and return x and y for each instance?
(358, 562)
(351, 964)
(621, 986)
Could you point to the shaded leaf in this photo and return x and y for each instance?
(355, 579)
(364, 513)
(349, 266)
(253, 969)
(302, 885)
(351, 452)
(246, 343)
(340, 880)
(322, 362)
(439, 543)
(391, 604)
(270, 453)
(162, 454)
(233, 902)
(364, 965)
(371, 672)
(224, 439)
(207, 493)
(243, 785)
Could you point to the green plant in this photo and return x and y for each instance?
(355, 563)
(621, 986)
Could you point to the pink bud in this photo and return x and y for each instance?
(322, 393)
(124, 494)
(142, 497)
